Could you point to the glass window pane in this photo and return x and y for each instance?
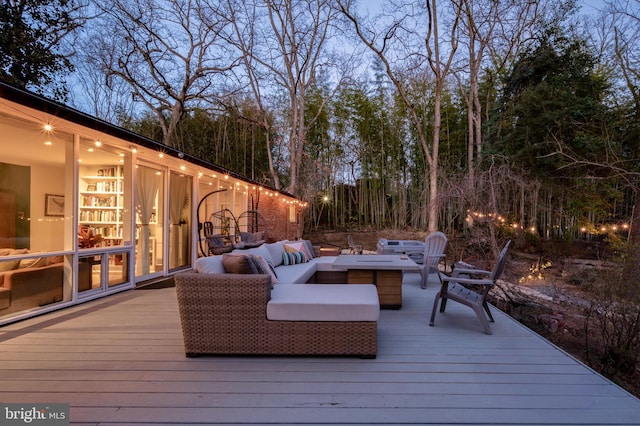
(149, 221)
(180, 218)
(118, 268)
(34, 201)
(28, 282)
(89, 272)
(101, 200)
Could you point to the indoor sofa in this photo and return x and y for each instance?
(31, 283)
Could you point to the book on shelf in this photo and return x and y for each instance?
(110, 172)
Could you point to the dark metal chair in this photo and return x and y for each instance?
(216, 243)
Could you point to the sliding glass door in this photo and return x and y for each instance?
(180, 198)
(149, 221)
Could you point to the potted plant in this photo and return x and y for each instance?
(87, 239)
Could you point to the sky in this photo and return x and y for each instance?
(588, 6)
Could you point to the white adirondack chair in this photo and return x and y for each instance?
(434, 252)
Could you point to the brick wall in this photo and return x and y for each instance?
(275, 211)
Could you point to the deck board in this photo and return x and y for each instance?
(120, 361)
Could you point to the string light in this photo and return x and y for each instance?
(600, 228)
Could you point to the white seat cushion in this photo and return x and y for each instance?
(299, 273)
(323, 302)
(324, 263)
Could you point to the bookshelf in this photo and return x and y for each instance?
(101, 202)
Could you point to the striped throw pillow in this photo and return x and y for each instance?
(293, 258)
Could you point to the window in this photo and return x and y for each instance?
(101, 195)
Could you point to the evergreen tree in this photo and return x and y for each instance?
(31, 34)
(552, 101)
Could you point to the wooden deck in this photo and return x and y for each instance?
(120, 361)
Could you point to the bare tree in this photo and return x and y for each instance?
(626, 28)
(614, 33)
(624, 16)
(291, 51)
(243, 17)
(170, 52)
(414, 21)
(106, 97)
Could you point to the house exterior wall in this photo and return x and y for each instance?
(54, 161)
(282, 215)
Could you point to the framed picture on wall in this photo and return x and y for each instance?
(53, 205)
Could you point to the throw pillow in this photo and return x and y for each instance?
(210, 265)
(268, 269)
(33, 262)
(298, 246)
(56, 259)
(261, 250)
(217, 245)
(257, 265)
(276, 250)
(239, 246)
(221, 250)
(247, 237)
(238, 264)
(309, 249)
(9, 265)
(293, 258)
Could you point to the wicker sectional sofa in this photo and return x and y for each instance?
(247, 314)
(226, 314)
